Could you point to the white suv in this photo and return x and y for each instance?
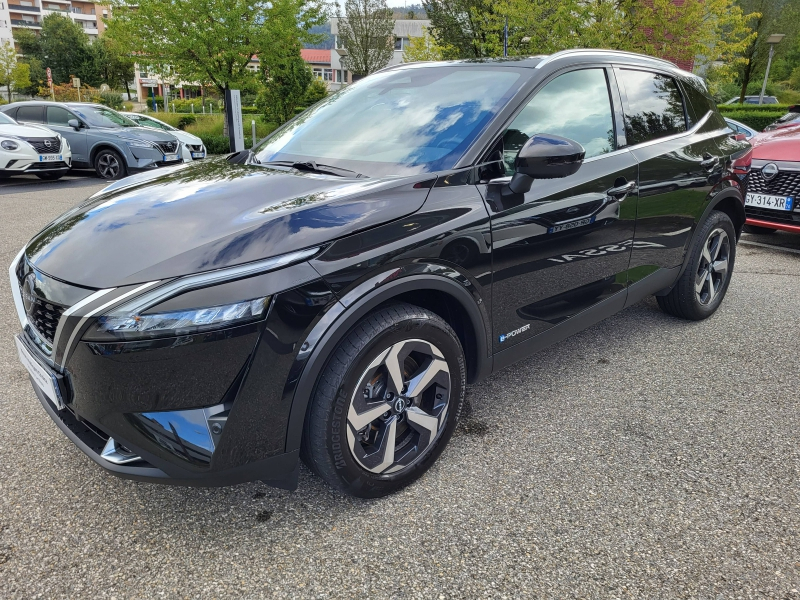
(193, 148)
(32, 149)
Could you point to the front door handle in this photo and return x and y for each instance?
(619, 192)
(709, 162)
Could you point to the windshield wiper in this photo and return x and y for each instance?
(311, 166)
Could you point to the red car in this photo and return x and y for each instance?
(772, 201)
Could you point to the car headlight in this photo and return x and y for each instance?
(140, 318)
(9, 145)
(139, 144)
(180, 322)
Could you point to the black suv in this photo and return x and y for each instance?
(330, 295)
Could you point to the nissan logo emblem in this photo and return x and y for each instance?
(769, 171)
(47, 143)
(28, 298)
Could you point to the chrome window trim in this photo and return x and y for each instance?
(15, 290)
(676, 136)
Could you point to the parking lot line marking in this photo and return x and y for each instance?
(792, 250)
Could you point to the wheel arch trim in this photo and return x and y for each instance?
(339, 320)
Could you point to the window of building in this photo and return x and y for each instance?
(400, 43)
(317, 72)
(575, 105)
(327, 74)
(654, 106)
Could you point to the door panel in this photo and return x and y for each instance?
(56, 118)
(565, 245)
(561, 250)
(677, 168)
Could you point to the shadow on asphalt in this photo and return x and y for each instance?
(31, 183)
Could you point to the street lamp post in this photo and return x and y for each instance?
(775, 38)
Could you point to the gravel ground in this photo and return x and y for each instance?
(643, 458)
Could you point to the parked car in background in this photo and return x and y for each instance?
(100, 137)
(790, 119)
(330, 294)
(741, 128)
(192, 146)
(753, 100)
(32, 149)
(773, 182)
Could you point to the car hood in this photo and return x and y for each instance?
(187, 138)
(145, 133)
(211, 214)
(780, 144)
(26, 131)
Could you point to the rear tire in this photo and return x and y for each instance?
(758, 230)
(386, 403)
(50, 176)
(108, 164)
(702, 286)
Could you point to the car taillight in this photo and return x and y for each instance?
(741, 164)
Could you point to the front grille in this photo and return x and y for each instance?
(785, 183)
(44, 317)
(168, 147)
(41, 144)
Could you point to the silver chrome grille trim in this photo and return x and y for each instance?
(15, 290)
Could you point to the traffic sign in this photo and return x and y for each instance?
(49, 76)
(76, 82)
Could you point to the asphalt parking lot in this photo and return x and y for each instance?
(643, 458)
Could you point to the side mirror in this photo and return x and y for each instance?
(545, 156)
(75, 124)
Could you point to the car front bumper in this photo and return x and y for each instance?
(208, 409)
(27, 160)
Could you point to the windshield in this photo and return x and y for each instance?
(6, 120)
(151, 122)
(399, 122)
(100, 116)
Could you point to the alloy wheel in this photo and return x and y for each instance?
(108, 165)
(399, 407)
(712, 272)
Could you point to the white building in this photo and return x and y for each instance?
(404, 29)
(28, 14)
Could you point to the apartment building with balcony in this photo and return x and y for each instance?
(28, 14)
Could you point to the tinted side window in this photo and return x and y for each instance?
(654, 107)
(575, 105)
(699, 103)
(30, 114)
(58, 116)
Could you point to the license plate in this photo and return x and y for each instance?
(198, 154)
(40, 374)
(766, 201)
(50, 158)
(570, 225)
(170, 157)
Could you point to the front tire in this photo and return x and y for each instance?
(108, 164)
(386, 403)
(703, 284)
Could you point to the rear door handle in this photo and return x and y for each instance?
(621, 191)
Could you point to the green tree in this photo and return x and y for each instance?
(365, 31)
(772, 16)
(423, 48)
(113, 62)
(64, 47)
(469, 28)
(209, 41)
(14, 75)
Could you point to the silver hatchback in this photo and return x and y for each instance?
(101, 138)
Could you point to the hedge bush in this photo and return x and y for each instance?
(726, 108)
(755, 119)
(216, 144)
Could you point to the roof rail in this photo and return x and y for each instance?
(590, 51)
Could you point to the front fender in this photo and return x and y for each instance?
(364, 297)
